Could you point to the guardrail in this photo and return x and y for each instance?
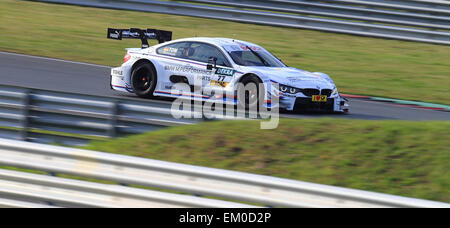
(297, 14)
(318, 8)
(33, 115)
(26, 190)
(200, 181)
(425, 6)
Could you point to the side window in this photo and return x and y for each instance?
(201, 52)
(175, 50)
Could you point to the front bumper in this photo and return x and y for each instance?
(305, 104)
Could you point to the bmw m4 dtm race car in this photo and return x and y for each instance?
(221, 65)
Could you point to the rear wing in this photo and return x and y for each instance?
(134, 33)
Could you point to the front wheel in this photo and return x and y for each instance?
(143, 79)
(249, 96)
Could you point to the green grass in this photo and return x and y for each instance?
(397, 157)
(55, 133)
(359, 65)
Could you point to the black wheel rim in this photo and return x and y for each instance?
(251, 96)
(143, 80)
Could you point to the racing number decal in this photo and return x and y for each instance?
(224, 76)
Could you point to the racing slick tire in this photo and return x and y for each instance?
(143, 80)
(250, 99)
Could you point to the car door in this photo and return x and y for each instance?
(172, 58)
(215, 79)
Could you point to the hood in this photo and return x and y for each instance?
(297, 78)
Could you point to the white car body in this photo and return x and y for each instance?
(167, 64)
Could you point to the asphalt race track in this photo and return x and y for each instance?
(75, 77)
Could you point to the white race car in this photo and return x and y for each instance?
(219, 65)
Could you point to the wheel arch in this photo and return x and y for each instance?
(252, 75)
(140, 61)
(249, 75)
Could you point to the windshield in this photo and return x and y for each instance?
(255, 58)
(245, 55)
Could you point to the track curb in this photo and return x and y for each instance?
(413, 104)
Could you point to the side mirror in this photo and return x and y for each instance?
(212, 63)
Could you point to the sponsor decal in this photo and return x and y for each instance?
(117, 72)
(231, 48)
(240, 47)
(219, 83)
(319, 98)
(204, 78)
(188, 69)
(169, 51)
(244, 47)
(168, 85)
(293, 79)
(115, 35)
(226, 72)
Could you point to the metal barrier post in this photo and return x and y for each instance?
(112, 131)
(25, 121)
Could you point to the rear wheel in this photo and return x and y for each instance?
(143, 79)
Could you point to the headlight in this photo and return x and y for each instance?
(288, 89)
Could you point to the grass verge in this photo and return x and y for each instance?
(359, 65)
(396, 157)
(54, 133)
